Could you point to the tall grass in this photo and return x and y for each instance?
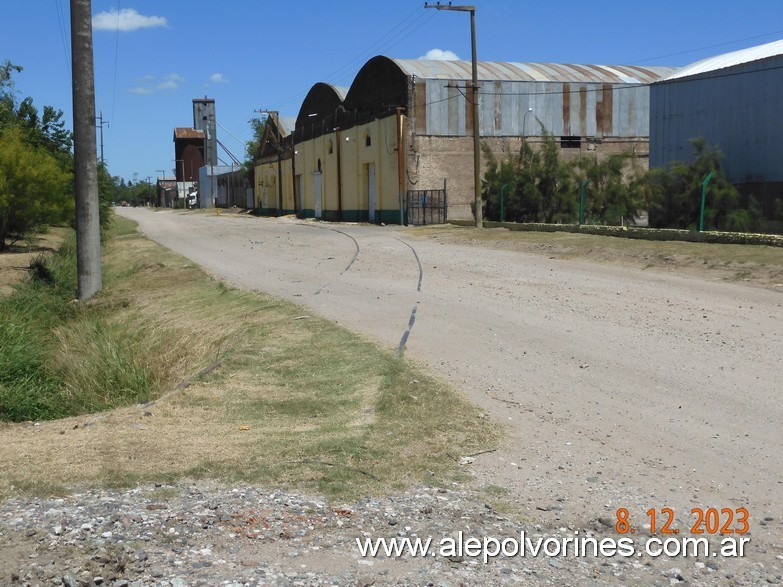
(293, 402)
(59, 358)
(28, 390)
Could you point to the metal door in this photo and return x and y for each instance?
(298, 194)
(371, 192)
(318, 205)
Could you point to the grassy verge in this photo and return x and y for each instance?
(58, 358)
(754, 264)
(291, 400)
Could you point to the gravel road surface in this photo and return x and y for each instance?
(620, 388)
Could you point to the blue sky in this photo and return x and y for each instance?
(255, 54)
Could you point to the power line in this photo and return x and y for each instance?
(403, 30)
(707, 47)
(429, 18)
(230, 133)
(63, 35)
(379, 43)
(116, 58)
(230, 154)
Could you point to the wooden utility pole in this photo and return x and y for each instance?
(275, 116)
(88, 227)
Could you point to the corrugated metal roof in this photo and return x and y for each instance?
(321, 100)
(188, 133)
(534, 72)
(730, 60)
(287, 125)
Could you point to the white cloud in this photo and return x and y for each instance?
(151, 84)
(126, 19)
(218, 78)
(440, 55)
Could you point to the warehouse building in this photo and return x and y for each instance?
(734, 102)
(273, 174)
(401, 135)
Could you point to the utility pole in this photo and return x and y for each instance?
(88, 228)
(474, 98)
(100, 125)
(276, 114)
(160, 202)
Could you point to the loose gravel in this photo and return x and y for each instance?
(205, 534)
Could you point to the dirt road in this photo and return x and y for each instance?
(619, 387)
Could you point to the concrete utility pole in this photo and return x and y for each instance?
(101, 124)
(88, 228)
(479, 214)
(275, 116)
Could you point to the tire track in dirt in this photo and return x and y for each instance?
(412, 320)
(347, 267)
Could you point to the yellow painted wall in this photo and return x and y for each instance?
(266, 192)
(355, 156)
(321, 150)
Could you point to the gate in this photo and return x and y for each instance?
(427, 206)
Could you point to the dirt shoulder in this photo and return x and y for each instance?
(622, 385)
(752, 265)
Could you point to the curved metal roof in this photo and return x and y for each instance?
(533, 72)
(321, 100)
(730, 60)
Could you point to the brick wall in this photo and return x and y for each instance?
(432, 159)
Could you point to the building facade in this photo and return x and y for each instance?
(407, 125)
(734, 102)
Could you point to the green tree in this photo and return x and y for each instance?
(46, 130)
(34, 188)
(675, 195)
(258, 126)
(556, 183)
(540, 186)
(253, 146)
(7, 103)
(108, 191)
(610, 195)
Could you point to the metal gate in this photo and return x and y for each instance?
(427, 206)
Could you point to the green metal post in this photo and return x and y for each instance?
(582, 201)
(704, 183)
(502, 202)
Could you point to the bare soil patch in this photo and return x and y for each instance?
(15, 262)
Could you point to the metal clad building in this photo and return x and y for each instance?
(734, 102)
(596, 109)
(204, 120)
(568, 100)
(406, 126)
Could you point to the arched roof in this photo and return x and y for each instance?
(321, 101)
(382, 83)
(732, 59)
(533, 72)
